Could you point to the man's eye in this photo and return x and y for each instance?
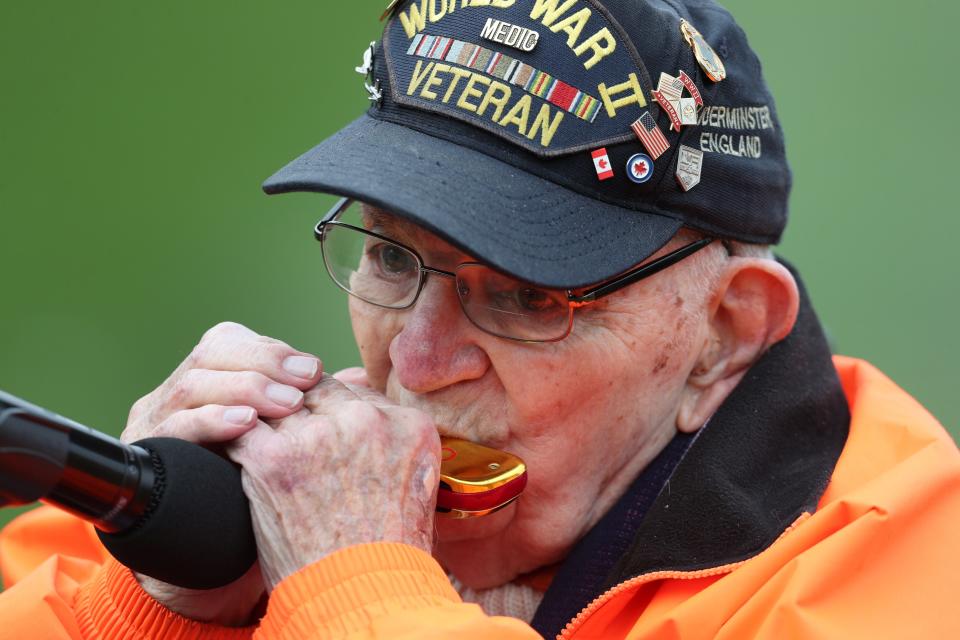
(525, 300)
(394, 260)
(536, 300)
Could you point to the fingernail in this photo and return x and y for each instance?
(239, 415)
(301, 366)
(284, 395)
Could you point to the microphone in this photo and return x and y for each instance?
(164, 507)
(172, 510)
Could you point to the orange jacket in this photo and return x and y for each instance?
(878, 559)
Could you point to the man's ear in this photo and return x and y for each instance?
(753, 306)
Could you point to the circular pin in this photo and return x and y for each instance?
(639, 168)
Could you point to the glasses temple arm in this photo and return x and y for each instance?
(641, 272)
(337, 208)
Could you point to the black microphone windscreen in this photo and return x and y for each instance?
(196, 532)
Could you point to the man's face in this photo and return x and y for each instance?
(586, 414)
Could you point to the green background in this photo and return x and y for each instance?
(134, 137)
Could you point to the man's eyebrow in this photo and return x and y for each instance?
(388, 224)
(376, 218)
(405, 232)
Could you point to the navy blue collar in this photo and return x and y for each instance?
(765, 459)
(584, 572)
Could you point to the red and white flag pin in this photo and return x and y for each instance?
(601, 162)
(650, 135)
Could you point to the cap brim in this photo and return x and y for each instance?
(516, 222)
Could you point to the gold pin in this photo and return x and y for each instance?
(390, 7)
(708, 59)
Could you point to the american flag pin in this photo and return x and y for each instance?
(689, 167)
(650, 135)
(670, 87)
(669, 95)
(601, 162)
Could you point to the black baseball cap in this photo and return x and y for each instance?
(540, 136)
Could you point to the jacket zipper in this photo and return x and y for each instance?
(574, 625)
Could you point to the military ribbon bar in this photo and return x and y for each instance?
(539, 83)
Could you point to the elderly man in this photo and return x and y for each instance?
(554, 237)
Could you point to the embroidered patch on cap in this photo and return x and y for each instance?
(552, 76)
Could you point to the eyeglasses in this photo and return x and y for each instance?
(385, 273)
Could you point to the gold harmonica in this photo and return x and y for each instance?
(476, 480)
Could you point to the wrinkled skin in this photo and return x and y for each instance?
(586, 413)
(350, 467)
(216, 394)
(357, 459)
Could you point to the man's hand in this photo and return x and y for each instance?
(232, 376)
(348, 468)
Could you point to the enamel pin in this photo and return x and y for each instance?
(708, 59)
(601, 162)
(691, 86)
(669, 95)
(647, 131)
(671, 108)
(689, 166)
(688, 111)
(671, 88)
(639, 168)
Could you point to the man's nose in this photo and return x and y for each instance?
(436, 346)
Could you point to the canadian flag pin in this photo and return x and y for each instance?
(601, 162)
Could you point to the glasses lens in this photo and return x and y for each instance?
(510, 308)
(369, 267)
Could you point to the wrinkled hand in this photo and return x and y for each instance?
(229, 379)
(232, 376)
(348, 468)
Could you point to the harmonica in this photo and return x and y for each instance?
(476, 480)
